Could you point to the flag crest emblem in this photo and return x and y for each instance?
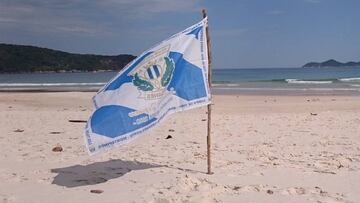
(154, 74)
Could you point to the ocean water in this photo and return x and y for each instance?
(289, 75)
(224, 80)
(287, 80)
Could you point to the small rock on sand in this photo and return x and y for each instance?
(236, 188)
(97, 191)
(58, 148)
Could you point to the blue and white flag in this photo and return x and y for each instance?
(170, 77)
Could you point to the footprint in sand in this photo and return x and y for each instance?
(294, 191)
(161, 200)
(7, 199)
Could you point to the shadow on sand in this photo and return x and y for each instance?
(95, 173)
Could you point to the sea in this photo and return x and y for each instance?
(329, 80)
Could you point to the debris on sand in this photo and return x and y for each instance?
(97, 191)
(77, 121)
(57, 148)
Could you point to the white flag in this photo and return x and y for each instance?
(170, 77)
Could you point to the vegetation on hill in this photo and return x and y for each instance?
(331, 63)
(19, 58)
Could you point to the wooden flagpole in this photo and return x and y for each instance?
(204, 13)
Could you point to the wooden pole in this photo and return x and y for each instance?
(204, 13)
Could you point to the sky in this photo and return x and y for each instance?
(244, 33)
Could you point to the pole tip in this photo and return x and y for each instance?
(204, 12)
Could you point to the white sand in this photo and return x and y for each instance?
(265, 149)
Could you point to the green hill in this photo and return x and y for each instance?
(19, 58)
(331, 63)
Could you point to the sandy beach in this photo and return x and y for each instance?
(272, 148)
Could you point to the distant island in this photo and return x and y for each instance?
(23, 59)
(331, 63)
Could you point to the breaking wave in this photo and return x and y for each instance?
(297, 81)
(349, 79)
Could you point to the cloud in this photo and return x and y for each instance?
(232, 32)
(312, 1)
(79, 30)
(274, 12)
(89, 17)
(7, 20)
(143, 9)
(150, 6)
(38, 16)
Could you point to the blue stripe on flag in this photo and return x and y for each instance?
(124, 77)
(113, 121)
(196, 32)
(188, 80)
(150, 73)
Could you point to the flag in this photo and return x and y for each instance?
(170, 77)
